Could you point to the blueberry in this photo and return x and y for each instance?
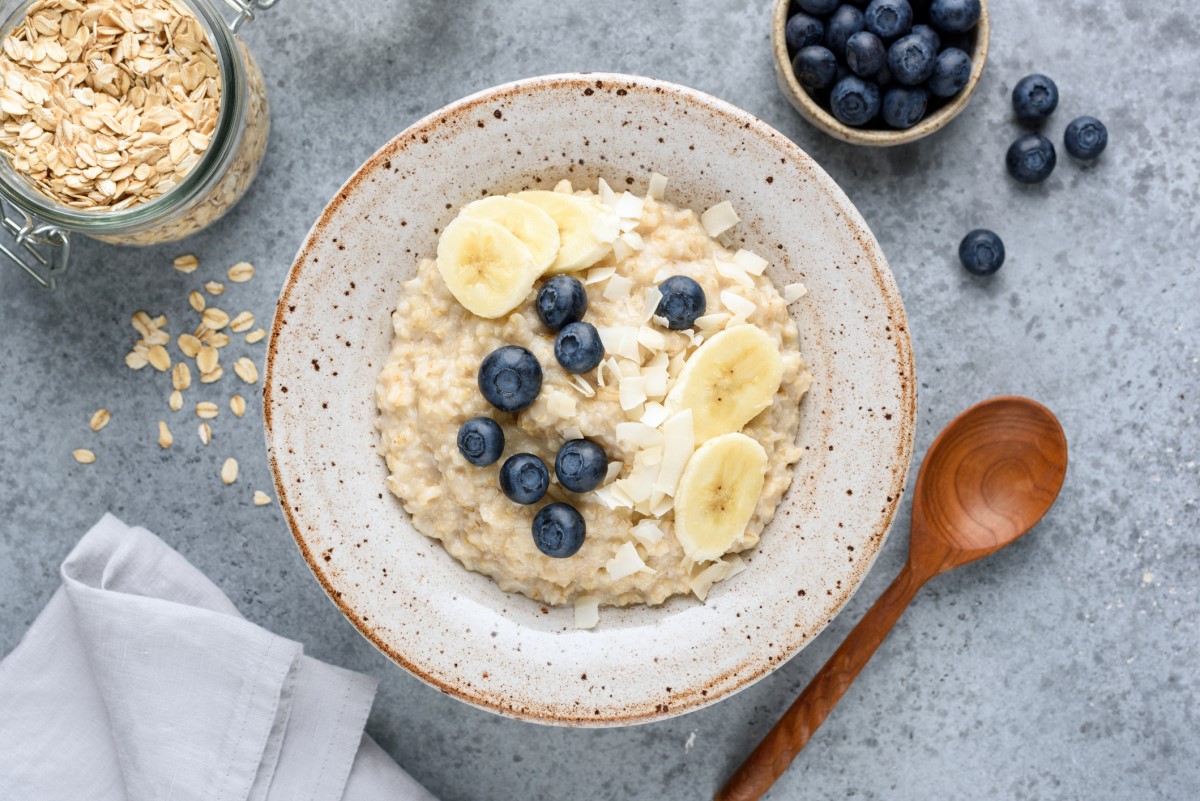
(818, 6)
(510, 378)
(580, 465)
(801, 31)
(865, 54)
(1031, 159)
(911, 60)
(903, 106)
(1086, 138)
(1034, 98)
(815, 67)
(844, 23)
(951, 71)
(524, 478)
(884, 77)
(682, 302)
(889, 19)
(561, 300)
(481, 441)
(954, 16)
(854, 101)
(929, 35)
(981, 252)
(558, 530)
(578, 347)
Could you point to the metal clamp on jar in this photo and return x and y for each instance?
(156, 172)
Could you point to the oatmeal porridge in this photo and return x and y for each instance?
(590, 398)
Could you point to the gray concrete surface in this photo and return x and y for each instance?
(1065, 668)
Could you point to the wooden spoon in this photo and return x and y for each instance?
(987, 479)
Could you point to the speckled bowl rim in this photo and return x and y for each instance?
(869, 137)
(717, 687)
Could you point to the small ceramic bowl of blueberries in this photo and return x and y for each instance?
(880, 72)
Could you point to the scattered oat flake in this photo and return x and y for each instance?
(243, 322)
(256, 335)
(241, 272)
(164, 435)
(135, 360)
(205, 432)
(206, 410)
(261, 498)
(214, 319)
(229, 471)
(186, 263)
(83, 456)
(237, 405)
(190, 345)
(212, 377)
(196, 300)
(175, 401)
(99, 419)
(159, 359)
(214, 288)
(246, 370)
(217, 339)
(181, 376)
(206, 359)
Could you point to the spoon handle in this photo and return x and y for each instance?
(793, 731)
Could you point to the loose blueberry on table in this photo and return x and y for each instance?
(560, 301)
(524, 478)
(1034, 98)
(682, 302)
(1031, 159)
(860, 49)
(580, 465)
(981, 252)
(481, 441)
(1086, 138)
(578, 347)
(510, 378)
(558, 530)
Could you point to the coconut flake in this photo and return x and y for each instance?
(632, 392)
(614, 470)
(626, 562)
(629, 206)
(651, 298)
(638, 435)
(580, 383)
(750, 262)
(793, 292)
(659, 320)
(652, 339)
(740, 306)
(620, 340)
(647, 532)
(719, 219)
(736, 565)
(658, 186)
(657, 375)
(561, 405)
(679, 440)
(634, 240)
(621, 251)
(607, 196)
(712, 322)
(598, 274)
(734, 272)
(564, 187)
(702, 582)
(618, 288)
(660, 503)
(655, 415)
(571, 432)
(620, 497)
(587, 612)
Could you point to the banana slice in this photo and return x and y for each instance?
(728, 380)
(525, 221)
(587, 228)
(488, 270)
(717, 494)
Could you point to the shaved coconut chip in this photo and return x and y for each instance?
(587, 612)
(564, 186)
(793, 292)
(572, 432)
(726, 240)
(580, 383)
(640, 435)
(734, 273)
(561, 405)
(651, 298)
(634, 240)
(736, 565)
(629, 367)
(660, 503)
(620, 497)
(652, 457)
(679, 440)
(719, 219)
(659, 320)
(618, 288)
(632, 392)
(614, 372)
(614, 470)
(607, 196)
(664, 273)
(629, 206)
(658, 186)
(657, 374)
(651, 338)
(711, 323)
(675, 365)
(654, 416)
(702, 582)
(621, 251)
(598, 274)
(626, 562)
(647, 532)
(740, 307)
(750, 262)
(627, 225)
(640, 482)
(620, 340)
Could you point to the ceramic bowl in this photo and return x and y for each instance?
(821, 118)
(456, 630)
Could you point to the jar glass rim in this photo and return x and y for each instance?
(19, 191)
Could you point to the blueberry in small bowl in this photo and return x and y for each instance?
(1085, 138)
(865, 54)
(904, 106)
(802, 31)
(954, 16)
(930, 35)
(580, 465)
(481, 441)
(981, 252)
(524, 478)
(910, 59)
(560, 301)
(816, 67)
(855, 101)
(558, 530)
(844, 23)
(818, 6)
(889, 19)
(951, 71)
(1031, 159)
(682, 302)
(510, 378)
(1034, 98)
(578, 347)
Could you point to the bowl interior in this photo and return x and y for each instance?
(816, 114)
(457, 630)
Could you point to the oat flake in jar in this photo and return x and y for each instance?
(134, 122)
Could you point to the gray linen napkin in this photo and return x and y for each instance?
(140, 681)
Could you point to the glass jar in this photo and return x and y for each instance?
(42, 227)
